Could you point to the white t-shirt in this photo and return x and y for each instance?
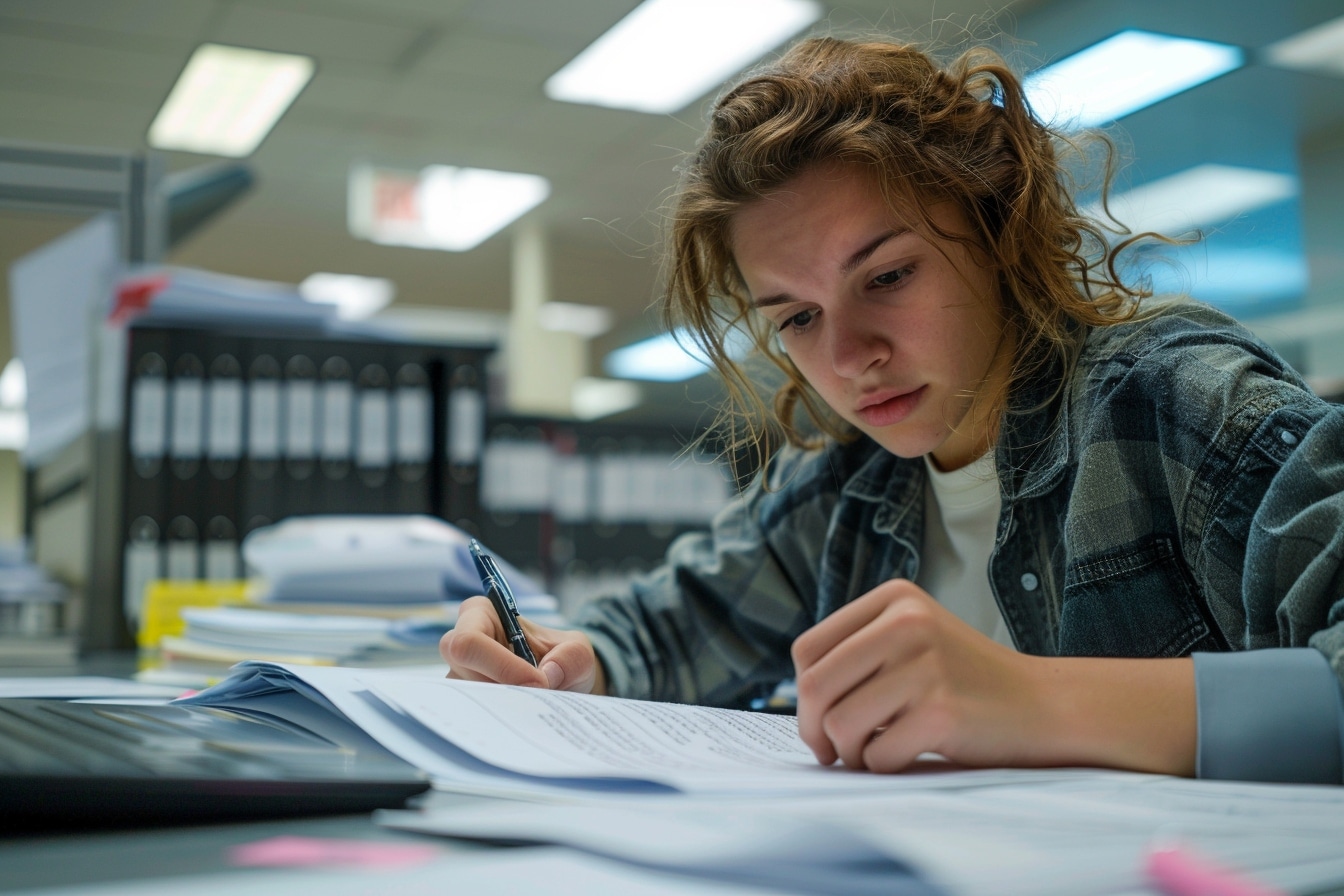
(961, 513)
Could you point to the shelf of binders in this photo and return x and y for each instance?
(586, 506)
(228, 430)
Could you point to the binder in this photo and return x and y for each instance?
(147, 418)
(142, 563)
(335, 425)
(224, 402)
(373, 448)
(222, 560)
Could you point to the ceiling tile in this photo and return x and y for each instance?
(568, 25)
(70, 120)
(182, 19)
(151, 73)
(474, 54)
(326, 37)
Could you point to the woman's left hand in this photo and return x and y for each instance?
(894, 674)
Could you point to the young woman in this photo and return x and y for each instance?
(1043, 522)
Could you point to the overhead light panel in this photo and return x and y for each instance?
(1198, 197)
(671, 358)
(1240, 280)
(1122, 74)
(1320, 48)
(355, 297)
(13, 385)
(439, 207)
(587, 321)
(594, 397)
(659, 358)
(227, 99)
(666, 53)
(13, 399)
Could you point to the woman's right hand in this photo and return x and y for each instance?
(476, 649)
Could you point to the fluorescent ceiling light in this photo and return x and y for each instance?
(593, 397)
(355, 297)
(659, 358)
(13, 385)
(1122, 74)
(439, 207)
(460, 207)
(1238, 280)
(1321, 48)
(668, 52)
(1198, 197)
(566, 317)
(227, 99)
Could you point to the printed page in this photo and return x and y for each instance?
(560, 734)
(501, 740)
(585, 740)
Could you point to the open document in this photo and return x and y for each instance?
(525, 741)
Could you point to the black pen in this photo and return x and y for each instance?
(501, 595)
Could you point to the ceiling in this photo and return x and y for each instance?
(406, 83)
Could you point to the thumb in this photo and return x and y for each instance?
(570, 666)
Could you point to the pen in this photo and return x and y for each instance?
(501, 595)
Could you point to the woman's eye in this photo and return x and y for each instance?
(891, 278)
(798, 321)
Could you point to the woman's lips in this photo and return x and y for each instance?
(890, 411)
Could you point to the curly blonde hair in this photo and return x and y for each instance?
(961, 133)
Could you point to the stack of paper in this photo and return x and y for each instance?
(216, 638)
(373, 559)
(174, 295)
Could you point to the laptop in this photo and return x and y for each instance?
(79, 765)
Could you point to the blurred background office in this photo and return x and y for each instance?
(380, 121)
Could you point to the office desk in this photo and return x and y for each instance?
(153, 861)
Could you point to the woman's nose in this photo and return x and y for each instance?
(855, 346)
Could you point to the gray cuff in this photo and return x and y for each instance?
(620, 681)
(1269, 715)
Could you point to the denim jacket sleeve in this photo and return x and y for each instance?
(1252, 466)
(714, 622)
(1271, 520)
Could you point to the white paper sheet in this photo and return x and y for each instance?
(1087, 835)
(487, 738)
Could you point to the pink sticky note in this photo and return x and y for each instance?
(1178, 871)
(289, 851)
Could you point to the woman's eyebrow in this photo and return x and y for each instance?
(781, 298)
(866, 251)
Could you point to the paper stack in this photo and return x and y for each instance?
(217, 638)
(352, 590)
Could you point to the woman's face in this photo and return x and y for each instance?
(894, 331)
